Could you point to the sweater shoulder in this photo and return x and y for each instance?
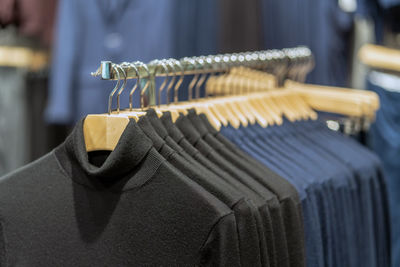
(189, 191)
(32, 179)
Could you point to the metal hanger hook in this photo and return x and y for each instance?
(121, 67)
(134, 86)
(110, 97)
(201, 61)
(192, 62)
(143, 90)
(179, 82)
(160, 63)
(172, 82)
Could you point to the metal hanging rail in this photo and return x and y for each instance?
(268, 59)
(293, 63)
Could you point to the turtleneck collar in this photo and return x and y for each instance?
(171, 128)
(147, 128)
(197, 122)
(210, 128)
(156, 123)
(119, 168)
(187, 128)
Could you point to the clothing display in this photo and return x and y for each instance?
(384, 140)
(224, 211)
(325, 28)
(111, 30)
(114, 30)
(256, 133)
(193, 185)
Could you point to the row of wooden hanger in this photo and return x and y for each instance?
(242, 96)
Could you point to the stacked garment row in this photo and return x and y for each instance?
(180, 193)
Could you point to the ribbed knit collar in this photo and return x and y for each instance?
(210, 128)
(122, 164)
(197, 122)
(171, 128)
(187, 128)
(156, 123)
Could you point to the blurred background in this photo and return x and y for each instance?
(48, 49)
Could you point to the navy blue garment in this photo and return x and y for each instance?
(95, 30)
(342, 178)
(314, 246)
(364, 166)
(384, 139)
(366, 245)
(368, 171)
(321, 25)
(296, 153)
(283, 141)
(120, 30)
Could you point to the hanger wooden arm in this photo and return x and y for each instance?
(380, 57)
(370, 98)
(103, 131)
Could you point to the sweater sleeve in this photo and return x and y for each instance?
(222, 246)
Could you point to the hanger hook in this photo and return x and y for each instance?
(179, 82)
(192, 63)
(143, 91)
(121, 67)
(160, 63)
(203, 61)
(172, 82)
(114, 89)
(135, 86)
(200, 61)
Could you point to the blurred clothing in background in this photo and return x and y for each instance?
(34, 18)
(95, 30)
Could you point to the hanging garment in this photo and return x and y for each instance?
(244, 18)
(89, 31)
(114, 30)
(243, 208)
(320, 25)
(127, 207)
(384, 140)
(34, 18)
(327, 176)
(182, 193)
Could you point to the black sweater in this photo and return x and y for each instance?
(130, 209)
(243, 208)
(286, 193)
(265, 226)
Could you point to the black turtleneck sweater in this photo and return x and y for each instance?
(265, 228)
(285, 192)
(281, 253)
(243, 208)
(128, 207)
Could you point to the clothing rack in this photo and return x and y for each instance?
(294, 63)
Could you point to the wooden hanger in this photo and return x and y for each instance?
(103, 131)
(380, 57)
(350, 102)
